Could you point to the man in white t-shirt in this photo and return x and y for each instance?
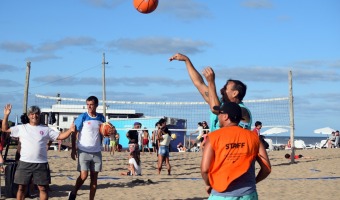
(88, 148)
(33, 161)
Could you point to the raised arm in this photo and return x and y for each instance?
(209, 75)
(195, 76)
(7, 112)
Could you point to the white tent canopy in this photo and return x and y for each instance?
(275, 130)
(326, 130)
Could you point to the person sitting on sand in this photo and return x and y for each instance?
(181, 148)
(287, 155)
(331, 140)
(289, 144)
(134, 166)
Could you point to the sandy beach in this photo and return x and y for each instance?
(317, 177)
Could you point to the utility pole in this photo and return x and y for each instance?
(291, 115)
(28, 70)
(104, 86)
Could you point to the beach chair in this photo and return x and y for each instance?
(322, 144)
(299, 144)
(270, 142)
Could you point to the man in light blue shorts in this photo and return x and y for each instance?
(88, 148)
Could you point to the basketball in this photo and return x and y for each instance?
(106, 129)
(145, 6)
(173, 136)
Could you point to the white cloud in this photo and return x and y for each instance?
(258, 4)
(42, 57)
(187, 10)
(277, 74)
(17, 47)
(8, 68)
(158, 45)
(9, 83)
(108, 4)
(66, 42)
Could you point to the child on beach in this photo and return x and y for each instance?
(146, 138)
(134, 165)
(113, 140)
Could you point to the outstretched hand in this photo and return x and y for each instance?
(179, 57)
(209, 74)
(7, 109)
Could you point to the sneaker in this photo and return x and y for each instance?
(71, 196)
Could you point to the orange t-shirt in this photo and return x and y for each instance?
(235, 149)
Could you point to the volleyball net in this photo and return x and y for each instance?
(181, 117)
(273, 112)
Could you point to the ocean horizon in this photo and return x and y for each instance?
(307, 139)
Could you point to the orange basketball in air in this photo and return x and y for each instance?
(145, 6)
(106, 129)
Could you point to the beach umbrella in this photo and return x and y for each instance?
(326, 130)
(275, 130)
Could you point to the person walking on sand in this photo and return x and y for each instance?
(154, 139)
(228, 161)
(164, 138)
(88, 148)
(232, 91)
(146, 139)
(33, 163)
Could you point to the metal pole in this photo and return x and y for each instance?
(28, 70)
(291, 115)
(104, 86)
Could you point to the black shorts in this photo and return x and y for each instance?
(40, 172)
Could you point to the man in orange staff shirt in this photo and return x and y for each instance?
(229, 156)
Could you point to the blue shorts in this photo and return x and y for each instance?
(252, 196)
(106, 141)
(163, 151)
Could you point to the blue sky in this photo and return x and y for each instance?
(256, 41)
